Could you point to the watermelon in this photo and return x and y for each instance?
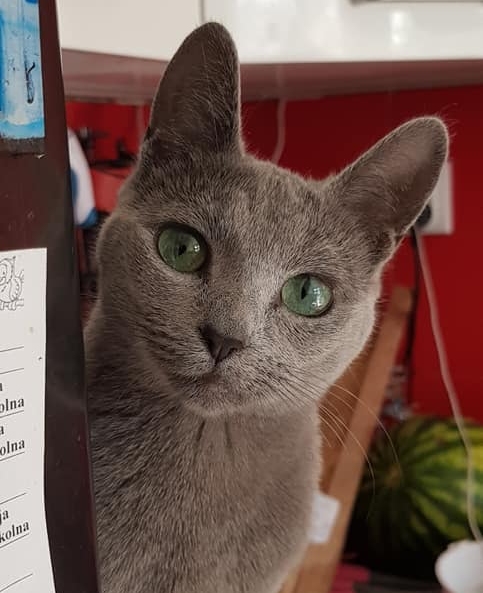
(412, 503)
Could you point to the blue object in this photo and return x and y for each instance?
(21, 92)
(82, 219)
(83, 202)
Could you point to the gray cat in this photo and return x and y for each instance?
(232, 294)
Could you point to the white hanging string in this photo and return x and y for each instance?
(450, 388)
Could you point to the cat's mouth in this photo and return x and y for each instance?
(209, 379)
(200, 383)
(208, 394)
(212, 381)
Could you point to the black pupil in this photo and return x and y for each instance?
(182, 249)
(304, 289)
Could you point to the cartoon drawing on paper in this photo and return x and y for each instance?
(11, 285)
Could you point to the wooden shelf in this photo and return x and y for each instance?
(104, 77)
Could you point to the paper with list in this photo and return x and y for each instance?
(25, 565)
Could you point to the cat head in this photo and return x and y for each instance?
(240, 285)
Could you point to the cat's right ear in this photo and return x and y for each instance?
(197, 105)
(386, 189)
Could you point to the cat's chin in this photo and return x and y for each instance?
(212, 395)
(226, 392)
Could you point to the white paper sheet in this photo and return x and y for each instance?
(25, 565)
(325, 512)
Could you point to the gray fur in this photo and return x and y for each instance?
(204, 483)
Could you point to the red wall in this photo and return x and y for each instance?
(323, 136)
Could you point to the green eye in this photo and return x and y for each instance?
(306, 295)
(182, 249)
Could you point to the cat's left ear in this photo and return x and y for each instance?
(197, 105)
(386, 189)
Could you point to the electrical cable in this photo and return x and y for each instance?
(449, 386)
(408, 358)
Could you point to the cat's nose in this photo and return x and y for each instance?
(220, 346)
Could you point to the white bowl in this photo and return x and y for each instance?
(460, 568)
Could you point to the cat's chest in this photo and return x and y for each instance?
(218, 468)
(194, 501)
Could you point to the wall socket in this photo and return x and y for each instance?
(441, 221)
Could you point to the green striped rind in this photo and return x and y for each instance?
(417, 502)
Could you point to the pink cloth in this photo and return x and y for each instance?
(347, 576)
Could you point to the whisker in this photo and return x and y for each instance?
(294, 396)
(307, 373)
(332, 413)
(359, 444)
(374, 415)
(327, 424)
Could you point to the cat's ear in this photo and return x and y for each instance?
(388, 186)
(197, 105)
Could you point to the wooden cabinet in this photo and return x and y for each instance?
(309, 48)
(307, 31)
(147, 29)
(118, 49)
